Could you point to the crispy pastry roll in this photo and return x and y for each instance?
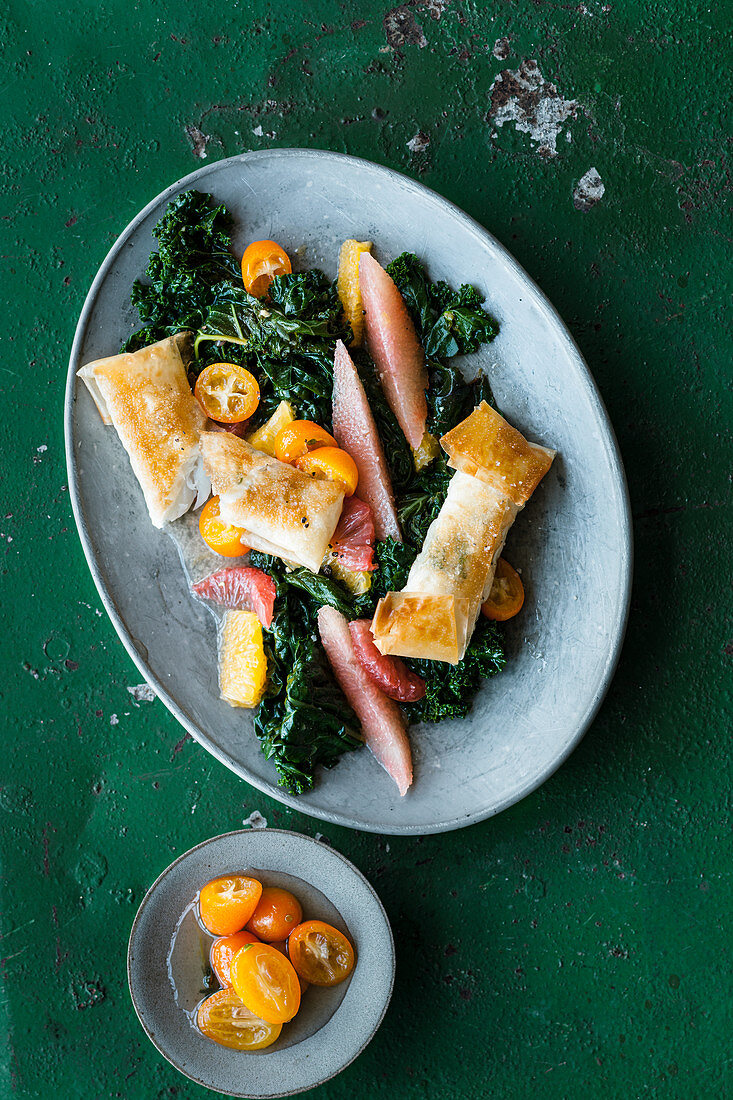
(496, 471)
(146, 396)
(282, 510)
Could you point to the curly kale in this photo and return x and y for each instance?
(450, 688)
(287, 341)
(303, 720)
(448, 322)
(192, 261)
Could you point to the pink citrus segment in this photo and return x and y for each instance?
(240, 588)
(389, 673)
(356, 432)
(394, 347)
(353, 539)
(382, 723)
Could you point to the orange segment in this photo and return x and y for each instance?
(331, 464)
(348, 286)
(242, 663)
(264, 437)
(428, 450)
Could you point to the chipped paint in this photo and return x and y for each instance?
(532, 104)
(418, 143)
(199, 141)
(589, 190)
(255, 820)
(141, 693)
(501, 49)
(402, 29)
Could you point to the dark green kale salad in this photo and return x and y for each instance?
(193, 282)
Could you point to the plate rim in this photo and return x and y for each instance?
(609, 443)
(290, 834)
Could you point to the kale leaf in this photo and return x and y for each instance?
(303, 720)
(450, 688)
(193, 259)
(287, 341)
(448, 322)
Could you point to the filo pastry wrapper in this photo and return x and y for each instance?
(146, 396)
(497, 470)
(281, 510)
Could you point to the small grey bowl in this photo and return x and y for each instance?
(168, 952)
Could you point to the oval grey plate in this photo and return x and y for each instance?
(572, 542)
(165, 964)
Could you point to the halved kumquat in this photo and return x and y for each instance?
(266, 982)
(227, 902)
(225, 1019)
(320, 953)
(261, 262)
(299, 437)
(222, 538)
(507, 594)
(223, 951)
(331, 464)
(227, 393)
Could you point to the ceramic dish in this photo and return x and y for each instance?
(572, 542)
(165, 964)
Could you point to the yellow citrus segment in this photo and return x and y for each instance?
(428, 450)
(357, 581)
(348, 286)
(242, 661)
(264, 437)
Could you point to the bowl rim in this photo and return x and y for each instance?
(609, 444)
(290, 834)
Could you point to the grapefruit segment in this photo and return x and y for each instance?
(240, 588)
(389, 673)
(348, 286)
(353, 540)
(394, 347)
(356, 432)
(384, 728)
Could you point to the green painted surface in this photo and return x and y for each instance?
(574, 946)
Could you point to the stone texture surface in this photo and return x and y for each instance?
(575, 945)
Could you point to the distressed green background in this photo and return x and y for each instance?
(575, 946)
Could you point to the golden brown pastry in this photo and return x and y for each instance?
(486, 446)
(146, 396)
(283, 511)
(496, 471)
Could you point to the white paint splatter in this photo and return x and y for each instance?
(114, 720)
(589, 190)
(141, 693)
(532, 104)
(42, 448)
(257, 131)
(255, 820)
(418, 143)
